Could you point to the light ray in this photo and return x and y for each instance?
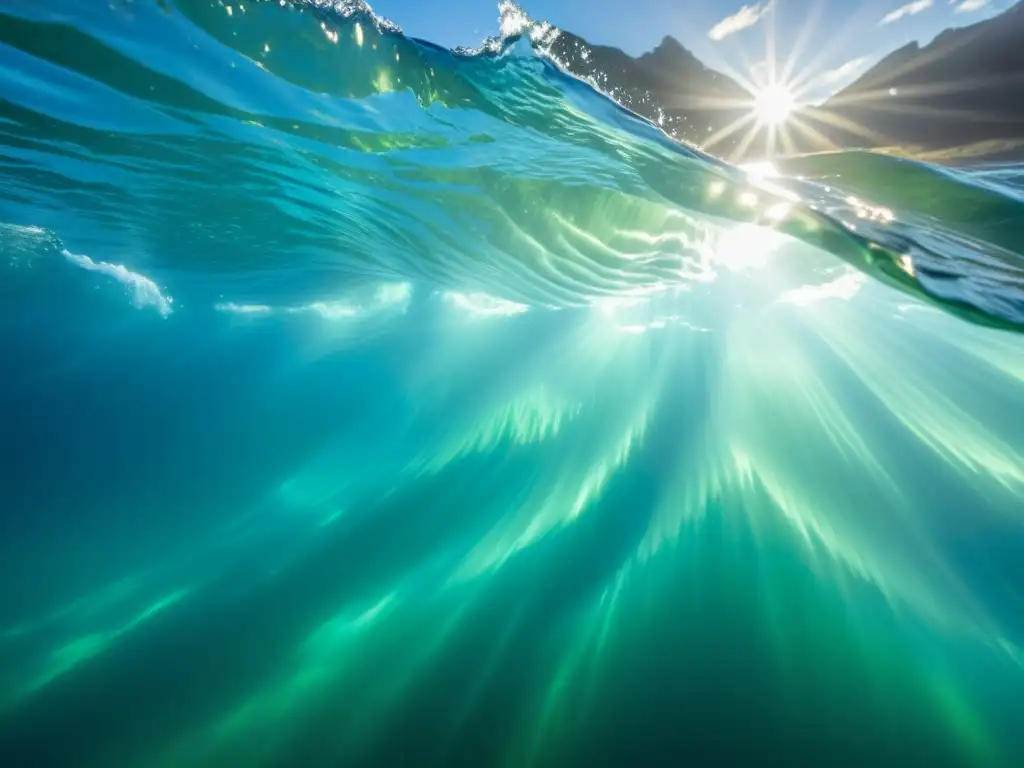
(741, 150)
(900, 108)
(812, 133)
(843, 123)
(727, 131)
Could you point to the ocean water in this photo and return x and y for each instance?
(370, 403)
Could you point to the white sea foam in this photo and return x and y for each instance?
(145, 292)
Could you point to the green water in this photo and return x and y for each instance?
(366, 403)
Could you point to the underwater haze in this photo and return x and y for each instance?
(371, 403)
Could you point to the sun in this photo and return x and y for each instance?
(773, 105)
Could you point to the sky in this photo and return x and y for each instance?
(827, 43)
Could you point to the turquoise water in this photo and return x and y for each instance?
(371, 403)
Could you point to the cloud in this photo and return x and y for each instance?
(759, 71)
(967, 6)
(910, 9)
(745, 17)
(843, 70)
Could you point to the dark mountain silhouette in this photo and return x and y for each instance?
(965, 87)
(668, 85)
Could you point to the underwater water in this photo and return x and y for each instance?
(370, 403)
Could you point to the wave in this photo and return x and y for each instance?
(285, 146)
(358, 387)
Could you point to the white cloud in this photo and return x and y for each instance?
(909, 9)
(759, 72)
(967, 6)
(842, 71)
(745, 17)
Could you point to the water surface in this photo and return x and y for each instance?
(371, 403)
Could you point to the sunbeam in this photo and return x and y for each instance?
(372, 401)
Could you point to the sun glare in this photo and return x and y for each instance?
(773, 105)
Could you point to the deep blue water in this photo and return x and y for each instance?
(370, 403)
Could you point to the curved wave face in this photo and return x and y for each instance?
(371, 403)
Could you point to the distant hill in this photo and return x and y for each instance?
(668, 85)
(965, 87)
